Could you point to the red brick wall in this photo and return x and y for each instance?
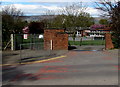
(59, 40)
(108, 41)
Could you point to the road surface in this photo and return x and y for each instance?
(77, 67)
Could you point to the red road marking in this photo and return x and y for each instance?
(55, 69)
(71, 53)
(106, 52)
(50, 77)
(118, 67)
(108, 58)
(86, 52)
(41, 73)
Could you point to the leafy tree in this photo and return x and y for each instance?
(103, 21)
(84, 20)
(72, 13)
(11, 22)
(72, 16)
(36, 27)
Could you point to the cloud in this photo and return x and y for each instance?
(55, 0)
(42, 8)
(15, 0)
(22, 6)
(51, 7)
(92, 11)
(47, 0)
(38, 9)
(61, 0)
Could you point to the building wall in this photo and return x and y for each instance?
(58, 37)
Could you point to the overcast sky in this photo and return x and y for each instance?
(40, 7)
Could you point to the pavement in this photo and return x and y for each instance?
(12, 57)
(83, 66)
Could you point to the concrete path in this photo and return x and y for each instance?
(77, 68)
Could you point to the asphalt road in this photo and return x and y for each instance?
(77, 68)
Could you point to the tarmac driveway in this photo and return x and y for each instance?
(87, 67)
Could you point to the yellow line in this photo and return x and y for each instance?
(40, 61)
(49, 59)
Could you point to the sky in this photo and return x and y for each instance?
(41, 7)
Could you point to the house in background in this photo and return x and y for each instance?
(98, 32)
(95, 31)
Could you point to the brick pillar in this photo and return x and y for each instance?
(58, 37)
(108, 41)
(60, 41)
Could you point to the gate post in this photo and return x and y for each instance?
(13, 42)
(55, 39)
(108, 41)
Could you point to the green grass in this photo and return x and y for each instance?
(88, 42)
(29, 40)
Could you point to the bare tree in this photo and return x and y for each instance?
(72, 12)
(112, 10)
(74, 9)
(50, 12)
(12, 11)
(106, 6)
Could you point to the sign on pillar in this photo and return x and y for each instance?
(25, 36)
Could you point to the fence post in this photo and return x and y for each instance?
(20, 54)
(80, 41)
(12, 42)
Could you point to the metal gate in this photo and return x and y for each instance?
(32, 48)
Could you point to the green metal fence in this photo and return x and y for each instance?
(31, 38)
(86, 41)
